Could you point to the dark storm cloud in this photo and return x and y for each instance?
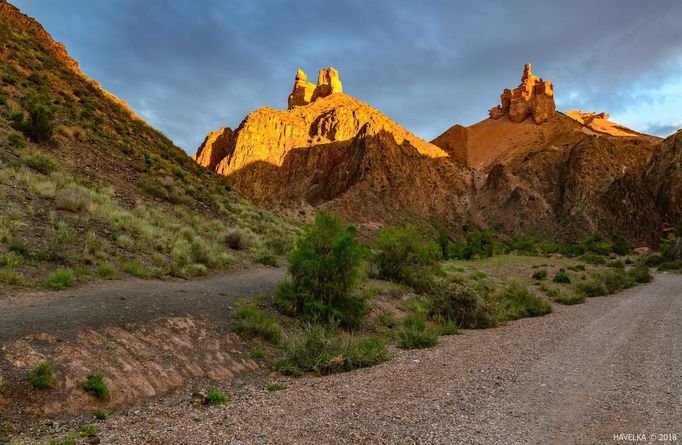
(191, 66)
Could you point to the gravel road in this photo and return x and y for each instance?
(578, 376)
(66, 313)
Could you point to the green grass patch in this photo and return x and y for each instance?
(106, 271)
(519, 302)
(266, 259)
(40, 163)
(561, 277)
(319, 349)
(60, 279)
(252, 321)
(275, 387)
(216, 398)
(413, 333)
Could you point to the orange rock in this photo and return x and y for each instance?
(327, 83)
(214, 148)
(533, 97)
(303, 90)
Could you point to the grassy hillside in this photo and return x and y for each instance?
(89, 190)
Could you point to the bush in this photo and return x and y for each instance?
(39, 127)
(640, 273)
(71, 198)
(257, 353)
(414, 334)
(237, 239)
(61, 279)
(653, 259)
(401, 257)
(275, 387)
(106, 271)
(325, 267)
(42, 376)
(480, 243)
(615, 280)
(518, 302)
(216, 398)
(540, 274)
(196, 270)
(563, 297)
(266, 259)
(577, 268)
(321, 351)
(616, 264)
(95, 385)
(456, 303)
(40, 163)
(137, 269)
(592, 287)
(593, 258)
(522, 245)
(670, 265)
(252, 321)
(11, 277)
(16, 140)
(561, 277)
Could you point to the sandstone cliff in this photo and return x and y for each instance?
(305, 92)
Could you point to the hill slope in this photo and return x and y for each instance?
(86, 185)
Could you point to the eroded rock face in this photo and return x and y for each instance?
(533, 97)
(305, 92)
(664, 177)
(214, 148)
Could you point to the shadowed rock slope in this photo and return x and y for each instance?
(86, 185)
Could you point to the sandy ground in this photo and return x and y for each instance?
(578, 376)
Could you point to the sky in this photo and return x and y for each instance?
(190, 67)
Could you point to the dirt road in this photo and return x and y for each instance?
(66, 313)
(578, 376)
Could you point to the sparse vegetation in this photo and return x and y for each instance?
(266, 259)
(592, 287)
(96, 386)
(40, 163)
(413, 333)
(106, 271)
(257, 353)
(275, 387)
(519, 302)
(539, 275)
(42, 376)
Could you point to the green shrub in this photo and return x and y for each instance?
(670, 265)
(60, 279)
(196, 270)
(447, 328)
(11, 277)
(95, 385)
(71, 198)
(592, 287)
(577, 268)
(540, 274)
(275, 387)
(257, 353)
(16, 140)
(42, 376)
(593, 258)
(456, 303)
(640, 273)
(562, 296)
(137, 269)
(40, 163)
(325, 267)
(237, 239)
(252, 321)
(106, 271)
(413, 333)
(478, 275)
(653, 259)
(321, 351)
(39, 127)
(561, 277)
(100, 415)
(266, 259)
(216, 398)
(519, 302)
(616, 264)
(401, 257)
(480, 243)
(522, 245)
(615, 280)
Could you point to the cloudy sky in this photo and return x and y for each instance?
(189, 67)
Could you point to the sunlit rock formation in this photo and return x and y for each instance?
(533, 97)
(305, 92)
